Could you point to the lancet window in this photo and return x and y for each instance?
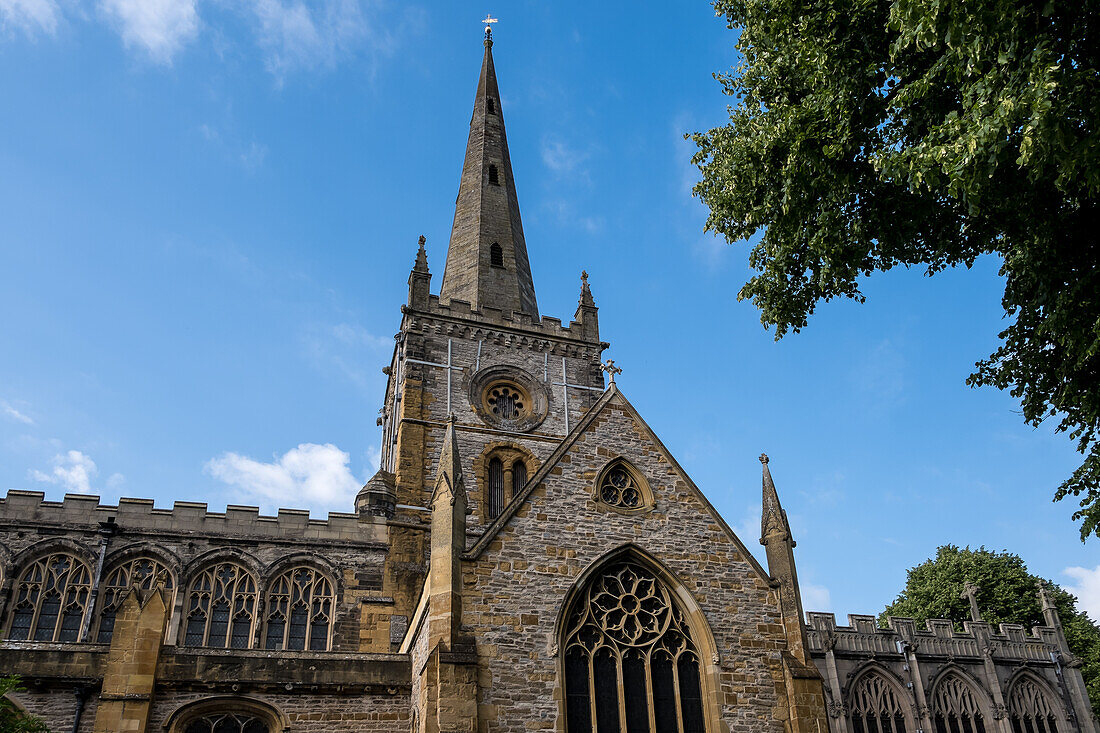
(1031, 709)
(955, 708)
(227, 723)
(494, 177)
(51, 599)
(221, 608)
(519, 476)
(299, 611)
(875, 707)
(496, 487)
(631, 665)
(142, 573)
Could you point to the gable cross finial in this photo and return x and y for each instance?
(489, 20)
(609, 367)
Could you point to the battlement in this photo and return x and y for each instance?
(863, 636)
(84, 511)
(545, 326)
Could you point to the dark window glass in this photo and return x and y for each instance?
(578, 706)
(494, 177)
(691, 697)
(242, 632)
(496, 255)
(606, 677)
(275, 628)
(490, 105)
(196, 624)
(21, 623)
(634, 693)
(519, 477)
(70, 625)
(318, 635)
(219, 625)
(296, 639)
(496, 487)
(664, 695)
(47, 618)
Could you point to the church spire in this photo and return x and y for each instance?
(487, 258)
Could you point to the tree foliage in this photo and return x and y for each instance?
(1007, 593)
(12, 719)
(870, 134)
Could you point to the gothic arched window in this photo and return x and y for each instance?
(496, 255)
(874, 706)
(519, 476)
(955, 709)
(621, 487)
(1031, 709)
(51, 599)
(496, 487)
(143, 573)
(299, 608)
(221, 608)
(227, 723)
(624, 625)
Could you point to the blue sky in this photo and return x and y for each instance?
(208, 211)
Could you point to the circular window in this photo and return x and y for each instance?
(506, 401)
(508, 398)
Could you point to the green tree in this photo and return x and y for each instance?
(12, 719)
(1007, 593)
(870, 134)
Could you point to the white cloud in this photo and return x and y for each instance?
(30, 16)
(73, 471)
(10, 411)
(300, 34)
(309, 476)
(815, 597)
(160, 27)
(1086, 588)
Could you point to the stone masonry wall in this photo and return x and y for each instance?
(562, 531)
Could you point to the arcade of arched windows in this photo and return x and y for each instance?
(224, 603)
(502, 472)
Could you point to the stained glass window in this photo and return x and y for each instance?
(221, 608)
(955, 709)
(625, 626)
(143, 573)
(875, 707)
(51, 599)
(299, 611)
(1031, 708)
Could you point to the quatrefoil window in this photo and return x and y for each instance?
(623, 488)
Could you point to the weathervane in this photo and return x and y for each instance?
(609, 367)
(489, 20)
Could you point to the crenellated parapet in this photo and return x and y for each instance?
(938, 639)
(30, 510)
(505, 323)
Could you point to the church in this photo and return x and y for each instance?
(529, 557)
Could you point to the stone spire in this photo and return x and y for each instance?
(487, 258)
(775, 535)
(773, 520)
(586, 314)
(420, 279)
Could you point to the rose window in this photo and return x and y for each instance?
(505, 402)
(628, 652)
(619, 489)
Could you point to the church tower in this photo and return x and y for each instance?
(514, 382)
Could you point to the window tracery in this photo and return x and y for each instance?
(142, 573)
(620, 487)
(221, 608)
(51, 599)
(874, 706)
(227, 723)
(299, 611)
(625, 626)
(1031, 709)
(955, 709)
